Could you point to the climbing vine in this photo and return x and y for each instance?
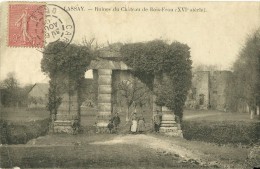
(169, 63)
(66, 69)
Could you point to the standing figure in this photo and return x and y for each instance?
(141, 125)
(75, 126)
(116, 121)
(157, 121)
(110, 126)
(134, 123)
(23, 22)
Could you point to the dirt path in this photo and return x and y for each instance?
(162, 146)
(166, 147)
(151, 142)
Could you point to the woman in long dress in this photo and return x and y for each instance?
(134, 124)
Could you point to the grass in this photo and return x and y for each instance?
(84, 139)
(63, 150)
(236, 155)
(88, 156)
(88, 115)
(214, 115)
(22, 114)
(18, 125)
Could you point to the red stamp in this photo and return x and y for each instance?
(26, 25)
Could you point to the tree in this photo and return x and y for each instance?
(10, 97)
(171, 62)
(12, 94)
(133, 93)
(245, 85)
(88, 92)
(66, 69)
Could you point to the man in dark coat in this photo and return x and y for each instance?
(116, 121)
(110, 126)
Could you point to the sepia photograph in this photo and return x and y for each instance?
(130, 85)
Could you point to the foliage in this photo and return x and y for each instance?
(66, 70)
(36, 100)
(254, 157)
(222, 132)
(11, 93)
(88, 92)
(245, 85)
(3, 132)
(133, 93)
(21, 133)
(54, 97)
(72, 61)
(171, 63)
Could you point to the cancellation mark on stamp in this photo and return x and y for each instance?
(59, 25)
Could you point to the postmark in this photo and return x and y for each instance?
(59, 25)
(37, 25)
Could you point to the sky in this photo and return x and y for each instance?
(215, 36)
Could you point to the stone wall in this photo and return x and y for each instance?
(209, 89)
(198, 97)
(66, 114)
(218, 87)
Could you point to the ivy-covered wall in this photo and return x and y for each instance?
(158, 58)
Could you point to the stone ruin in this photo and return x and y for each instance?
(208, 90)
(168, 124)
(106, 70)
(66, 114)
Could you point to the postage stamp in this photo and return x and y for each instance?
(26, 26)
(37, 25)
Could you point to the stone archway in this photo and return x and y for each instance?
(103, 76)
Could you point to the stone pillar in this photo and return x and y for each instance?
(66, 114)
(168, 123)
(156, 82)
(156, 107)
(104, 99)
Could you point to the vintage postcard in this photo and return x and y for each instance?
(130, 85)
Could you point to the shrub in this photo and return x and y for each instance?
(3, 132)
(254, 157)
(21, 133)
(222, 132)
